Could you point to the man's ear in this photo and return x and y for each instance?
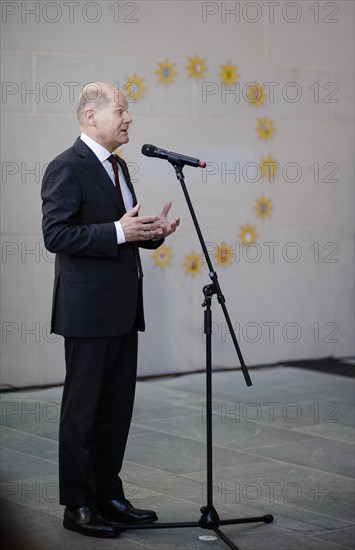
(89, 115)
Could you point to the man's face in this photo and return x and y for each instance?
(112, 121)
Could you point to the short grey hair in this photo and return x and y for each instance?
(95, 95)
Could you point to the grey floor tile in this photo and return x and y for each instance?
(296, 519)
(169, 508)
(318, 453)
(30, 444)
(29, 415)
(178, 454)
(289, 485)
(338, 432)
(269, 385)
(228, 430)
(271, 537)
(46, 395)
(17, 466)
(159, 393)
(148, 409)
(176, 539)
(298, 414)
(39, 493)
(344, 537)
(166, 483)
(136, 429)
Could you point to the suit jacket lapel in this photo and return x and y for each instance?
(94, 166)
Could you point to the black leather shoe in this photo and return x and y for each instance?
(122, 510)
(84, 520)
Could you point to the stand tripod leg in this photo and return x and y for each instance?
(268, 518)
(225, 539)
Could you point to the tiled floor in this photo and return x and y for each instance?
(284, 446)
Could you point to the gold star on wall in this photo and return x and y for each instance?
(134, 87)
(162, 257)
(256, 95)
(263, 208)
(166, 72)
(265, 128)
(196, 67)
(224, 255)
(192, 264)
(247, 234)
(229, 74)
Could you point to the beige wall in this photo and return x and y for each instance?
(57, 47)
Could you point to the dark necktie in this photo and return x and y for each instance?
(113, 160)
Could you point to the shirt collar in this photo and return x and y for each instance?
(101, 152)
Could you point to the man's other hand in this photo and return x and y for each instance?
(168, 227)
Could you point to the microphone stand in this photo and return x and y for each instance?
(210, 518)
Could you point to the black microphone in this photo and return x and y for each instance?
(152, 151)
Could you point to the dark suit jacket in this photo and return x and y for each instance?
(98, 284)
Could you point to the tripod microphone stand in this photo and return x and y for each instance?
(210, 518)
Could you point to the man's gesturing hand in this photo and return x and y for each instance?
(140, 229)
(167, 226)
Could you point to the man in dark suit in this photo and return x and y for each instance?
(90, 220)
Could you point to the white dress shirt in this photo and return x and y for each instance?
(103, 154)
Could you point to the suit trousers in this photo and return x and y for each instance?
(96, 414)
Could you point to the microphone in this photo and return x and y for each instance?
(152, 151)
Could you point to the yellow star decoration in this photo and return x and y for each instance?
(265, 128)
(269, 168)
(162, 257)
(263, 208)
(193, 264)
(229, 74)
(224, 255)
(247, 234)
(134, 87)
(166, 72)
(196, 67)
(119, 152)
(256, 95)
